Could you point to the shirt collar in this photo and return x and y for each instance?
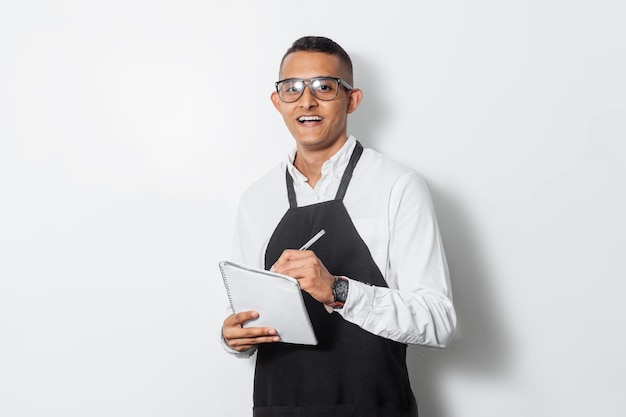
(333, 167)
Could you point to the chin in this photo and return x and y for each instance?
(313, 143)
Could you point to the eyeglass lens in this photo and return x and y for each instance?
(322, 88)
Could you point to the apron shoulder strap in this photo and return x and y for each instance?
(347, 174)
(291, 193)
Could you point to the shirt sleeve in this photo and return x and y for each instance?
(239, 254)
(417, 307)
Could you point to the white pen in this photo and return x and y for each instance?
(313, 240)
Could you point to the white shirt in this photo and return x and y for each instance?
(393, 213)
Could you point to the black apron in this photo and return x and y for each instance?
(351, 372)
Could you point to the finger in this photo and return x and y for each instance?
(253, 342)
(234, 326)
(303, 268)
(290, 255)
(240, 318)
(295, 262)
(244, 338)
(237, 332)
(236, 336)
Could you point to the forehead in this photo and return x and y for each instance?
(303, 64)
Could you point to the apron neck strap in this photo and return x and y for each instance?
(345, 180)
(347, 174)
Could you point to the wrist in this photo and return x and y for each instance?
(340, 292)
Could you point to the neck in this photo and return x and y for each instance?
(310, 167)
(309, 162)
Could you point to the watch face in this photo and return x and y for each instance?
(340, 290)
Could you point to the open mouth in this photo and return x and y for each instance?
(305, 119)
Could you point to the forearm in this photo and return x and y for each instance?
(423, 317)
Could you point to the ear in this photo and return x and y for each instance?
(275, 100)
(354, 100)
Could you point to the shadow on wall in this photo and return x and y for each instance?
(478, 348)
(366, 123)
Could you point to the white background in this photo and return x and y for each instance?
(128, 130)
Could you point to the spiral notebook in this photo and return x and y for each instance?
(276, 297)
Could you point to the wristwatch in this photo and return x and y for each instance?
(340, 292)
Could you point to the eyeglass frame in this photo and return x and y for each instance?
(307, 83)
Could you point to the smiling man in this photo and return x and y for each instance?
(377, 280)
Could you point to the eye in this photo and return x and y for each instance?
(324, 85)
(290, 87)
(295, 86)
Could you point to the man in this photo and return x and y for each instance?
(375, 282)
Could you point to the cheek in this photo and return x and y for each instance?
(340, 121)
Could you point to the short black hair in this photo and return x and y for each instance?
(324, 45)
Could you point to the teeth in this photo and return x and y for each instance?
(309, 119)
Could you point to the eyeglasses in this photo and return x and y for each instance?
(323, 88)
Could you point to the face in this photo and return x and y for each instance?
(316, 124)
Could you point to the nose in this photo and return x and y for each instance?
(307, 100)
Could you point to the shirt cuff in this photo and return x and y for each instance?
(358, 304)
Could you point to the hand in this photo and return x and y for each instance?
(310, 272)
(243, 338)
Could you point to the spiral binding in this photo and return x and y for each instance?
(223, 265)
